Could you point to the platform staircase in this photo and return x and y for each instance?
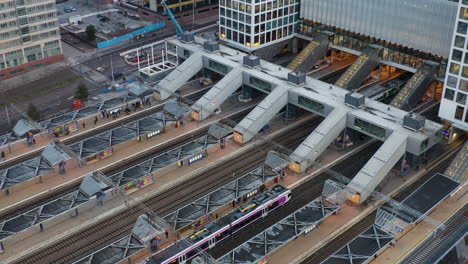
(415, 88)
(458, 168)
(360, 69)
(310, 55)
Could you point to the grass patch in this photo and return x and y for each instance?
(43, 90)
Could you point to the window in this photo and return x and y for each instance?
(459, 112)
(465, 72)
(464, 13)
(449, 94)
(461, 98)
(369, 128)
(459, 41)
(457, 55)
(215, 66)
(463, 85)
(311, 105)
(451, 81)
(260, 84)
(454, 68)
(461, 28)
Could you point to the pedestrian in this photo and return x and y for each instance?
(107, 114)
(84, 125)
(34, 141)
(181, 120)
(217, 216)
(95, 120)
(3, 155)
(167, 234)
(233, 204)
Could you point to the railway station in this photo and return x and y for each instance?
(296, 136)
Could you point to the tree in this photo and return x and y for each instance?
(33, 112)
(91, 32)
(82, 92)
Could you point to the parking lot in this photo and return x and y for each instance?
(108, 20)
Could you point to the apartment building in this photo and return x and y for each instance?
(29, 35)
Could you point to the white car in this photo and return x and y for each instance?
(100, 69)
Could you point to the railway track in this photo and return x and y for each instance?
(79, 245)
(335, 244)
(301, 195)
(138, 115)
(8, 214)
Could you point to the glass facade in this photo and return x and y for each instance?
(252, 24)
(426, 25)
(454, 105)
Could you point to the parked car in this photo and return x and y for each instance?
(117, 75)
(100, 69)
(67, 10)
(104, 19)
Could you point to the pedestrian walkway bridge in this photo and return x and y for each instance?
(406, 133)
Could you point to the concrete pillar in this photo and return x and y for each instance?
(294, 44)
(246, 92)
(380, 71)
(153, 5)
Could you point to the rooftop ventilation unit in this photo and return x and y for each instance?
(251, 61)
(355, 100)
(414, 122)
(187, 37)
(211, 46)
(296, 78)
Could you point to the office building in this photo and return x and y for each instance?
(454, 104)
(29, 35)
(253, 24)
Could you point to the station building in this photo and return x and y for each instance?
(29, 35)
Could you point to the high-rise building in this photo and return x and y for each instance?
(29, 35)
(454, 104)
(253, 24)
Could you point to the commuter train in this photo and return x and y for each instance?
(212, 233)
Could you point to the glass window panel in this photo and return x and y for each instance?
(461, 28)
(459, 41)
(464, 13)
(461, 98)
(454, 68)
(465, 72)
(457, 55)
(459, 112)
(451, 81)
(463, 85)
(449, 94)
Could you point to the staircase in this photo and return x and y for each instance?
(300, 58)
(414, 89)
(458, 168)
(360, 69)
(311, 54)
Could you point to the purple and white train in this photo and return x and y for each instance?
(208, 236)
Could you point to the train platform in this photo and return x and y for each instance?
(219, 203)
(32, 239)
(297, 250)
(20, 147)
(41, 186)
(408, 240)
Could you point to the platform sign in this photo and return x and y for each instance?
(310, 229)
(263, 260)
(195, 158)
(152, 134)
(72, 127)
(252, 193)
